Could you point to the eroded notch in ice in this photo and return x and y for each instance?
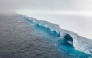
(45, 24)
(79, 43)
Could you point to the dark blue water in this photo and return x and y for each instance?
(62, 45)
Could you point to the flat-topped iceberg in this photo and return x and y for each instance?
(79, 43)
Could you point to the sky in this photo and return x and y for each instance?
(46, 5)
(73, 15)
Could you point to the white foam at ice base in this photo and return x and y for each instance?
(79, 43)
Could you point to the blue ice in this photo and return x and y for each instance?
(53, 36)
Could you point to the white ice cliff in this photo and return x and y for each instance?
(79, 43)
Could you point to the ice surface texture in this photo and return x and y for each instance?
(79, 43)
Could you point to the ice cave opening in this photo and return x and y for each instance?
(65, 40)
(68, 39)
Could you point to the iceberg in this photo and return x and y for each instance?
(78, 42)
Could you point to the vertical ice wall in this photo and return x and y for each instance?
(79, 43)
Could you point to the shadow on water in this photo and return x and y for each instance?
(64, 45)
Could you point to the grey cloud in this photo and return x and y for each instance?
(59, 5)
(79, 5)
(47, 4)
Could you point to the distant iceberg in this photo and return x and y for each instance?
(79, 43)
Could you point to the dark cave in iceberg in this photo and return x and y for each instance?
(68, 42)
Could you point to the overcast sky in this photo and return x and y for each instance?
(51, 5)
(73, 15)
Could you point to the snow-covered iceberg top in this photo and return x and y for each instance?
(79, 43)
